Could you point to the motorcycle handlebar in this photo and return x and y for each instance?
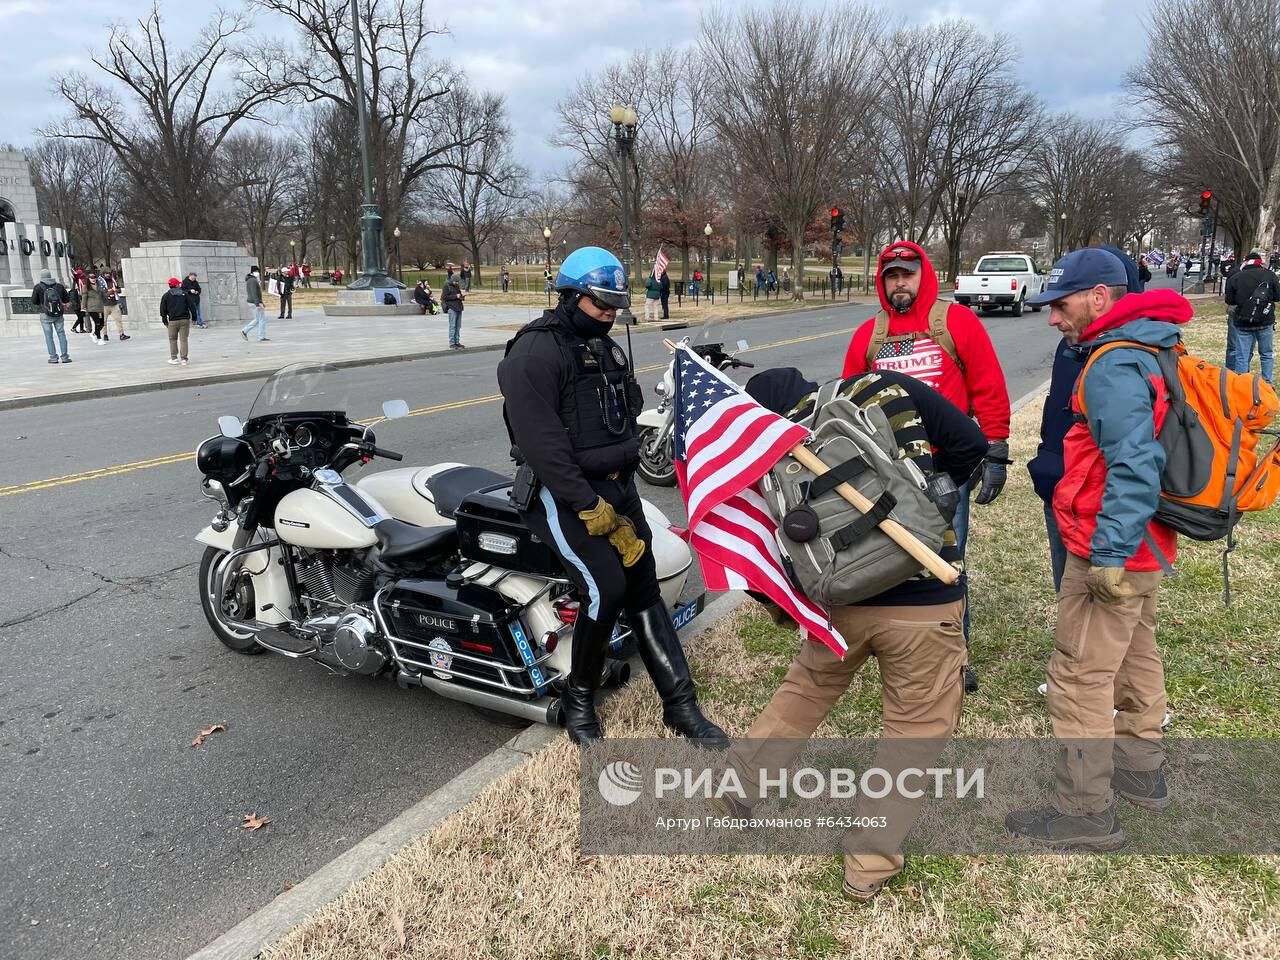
(388, 454)
(743, 363)
(264, 469)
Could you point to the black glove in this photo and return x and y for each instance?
(994, 470)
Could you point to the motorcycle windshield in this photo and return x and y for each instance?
(303, 388)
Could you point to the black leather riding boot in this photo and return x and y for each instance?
(590, 643)
(663, 657)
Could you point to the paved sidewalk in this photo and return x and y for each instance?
(219, 353)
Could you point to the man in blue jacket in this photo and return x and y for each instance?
(1046, 467)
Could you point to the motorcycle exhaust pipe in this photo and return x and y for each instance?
(543, 710)
(616, 673)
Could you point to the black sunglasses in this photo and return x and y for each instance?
(600, 304)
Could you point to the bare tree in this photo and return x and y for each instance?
(1072, 171)
(260, 165)
(78, 185)
(1221, 60)
(167, 115)
(791, 87)
(407, 91)
(481, 188)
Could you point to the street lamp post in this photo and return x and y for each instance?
(293, 257)
(707, 232)
(373, 251)
(399, 268)
(1062, 235)
(624, 138)
(333, 252)
(546, 239)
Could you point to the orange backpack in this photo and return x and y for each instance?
(1211, 435)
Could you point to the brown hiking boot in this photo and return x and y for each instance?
(1048, 826)
(1143, 788)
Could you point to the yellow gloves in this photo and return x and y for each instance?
(629, 546)
(602, 520)
(1107, 585)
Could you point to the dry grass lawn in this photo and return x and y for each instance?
(503, 878)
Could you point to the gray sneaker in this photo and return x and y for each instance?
(1048, 826)
(1143, 788)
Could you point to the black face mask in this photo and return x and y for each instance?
(588, 326)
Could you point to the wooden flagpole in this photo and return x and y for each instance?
(895, 531)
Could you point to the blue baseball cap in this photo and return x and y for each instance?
(1081, 270)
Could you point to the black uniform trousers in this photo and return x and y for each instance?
(606, 586)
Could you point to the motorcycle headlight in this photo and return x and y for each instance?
(660, 389)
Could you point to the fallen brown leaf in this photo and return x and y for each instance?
(208, 732)
(253, 822)
(397, 922)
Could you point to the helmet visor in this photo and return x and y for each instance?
(618, 299)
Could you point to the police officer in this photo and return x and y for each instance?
(570, 405)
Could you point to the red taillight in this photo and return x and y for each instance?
(550, 641)
(1013, 284)
(477, 647)
(567, 610)
(955, 284)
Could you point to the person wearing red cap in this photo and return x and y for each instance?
(175, 314)
(947, 347)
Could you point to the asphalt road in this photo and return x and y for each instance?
(121, 839)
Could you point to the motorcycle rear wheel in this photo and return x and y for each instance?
(239, 641)
(656, 467)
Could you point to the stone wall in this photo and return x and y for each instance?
(16, 188)
(220, 266)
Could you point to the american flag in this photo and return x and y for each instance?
(724, 443)
(660, 263)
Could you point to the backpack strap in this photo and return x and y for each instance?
(826, 393)
(1099, 352)
(879, 334)
(938, 332)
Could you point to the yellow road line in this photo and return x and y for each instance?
(113, 471)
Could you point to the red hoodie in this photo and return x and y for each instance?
(978, 389)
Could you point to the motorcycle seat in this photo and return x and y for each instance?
(450, 487)
(398, 540)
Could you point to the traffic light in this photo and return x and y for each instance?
(1206, 200)
(837, 219)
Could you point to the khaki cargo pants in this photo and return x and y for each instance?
(1104, 657)
(922, 657)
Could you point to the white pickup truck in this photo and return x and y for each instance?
(1000, 279)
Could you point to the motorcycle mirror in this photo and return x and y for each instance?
(230, 426)
(395, 409)
(743, 345)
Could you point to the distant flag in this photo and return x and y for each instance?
(660, 263)
(724, 443)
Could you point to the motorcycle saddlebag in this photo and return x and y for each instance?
(490, 531)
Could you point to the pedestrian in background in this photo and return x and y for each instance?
(287, 280)
(253, 295)
(664, 291)
(1251, 296)
(453, 295)
(465, 276)
(506, 280)
(92, 303)
(53, 300)
(191, 287)
(306, 275)
(111, 305)
(176, 313)
(652, 291)
(73, 306)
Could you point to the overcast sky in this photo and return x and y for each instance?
(1074, 55)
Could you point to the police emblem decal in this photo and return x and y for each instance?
(619, 279)
(619, 357)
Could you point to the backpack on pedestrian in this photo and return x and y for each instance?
(1215, 468)
(938, 332)
(836, 554)
(1258, 311)
(52, 302)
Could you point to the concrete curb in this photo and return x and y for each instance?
(249, 937)
(1030, 397)
(96, 393)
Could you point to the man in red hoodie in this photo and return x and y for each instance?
(1105, 656)
(946, 346)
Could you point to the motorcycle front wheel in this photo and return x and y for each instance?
(657, 464)
(237, 640)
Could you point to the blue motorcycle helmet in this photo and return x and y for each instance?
(594, 272)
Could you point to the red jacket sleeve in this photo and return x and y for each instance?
(855, 359)
(983, 376)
